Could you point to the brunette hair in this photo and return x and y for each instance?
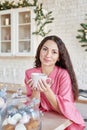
(64, 60)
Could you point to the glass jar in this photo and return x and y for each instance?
(21, 113)
(3, 98)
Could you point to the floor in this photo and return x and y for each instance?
(83, 110)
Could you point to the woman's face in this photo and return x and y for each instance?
(49, 53)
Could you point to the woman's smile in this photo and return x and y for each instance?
(47, 60)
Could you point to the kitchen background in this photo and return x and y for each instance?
(68, 15)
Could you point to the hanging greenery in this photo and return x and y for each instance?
(83, 35)
(42, 17)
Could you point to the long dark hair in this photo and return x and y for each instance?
(64, 60)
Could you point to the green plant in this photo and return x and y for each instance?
(42, 17)
(83, 35)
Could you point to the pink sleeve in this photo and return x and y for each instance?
(27, 77)
(66, 100)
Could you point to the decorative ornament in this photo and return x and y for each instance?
(42, 16)
(83, 37)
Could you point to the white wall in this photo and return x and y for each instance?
(68, 15)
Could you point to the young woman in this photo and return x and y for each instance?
(52, 59)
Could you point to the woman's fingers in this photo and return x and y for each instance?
(31, 84)
(29, 81)
(43, 86)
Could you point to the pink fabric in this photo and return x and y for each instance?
(63, 90)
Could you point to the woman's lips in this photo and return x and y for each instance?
(46, 60)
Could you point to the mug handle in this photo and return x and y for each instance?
(49, 81)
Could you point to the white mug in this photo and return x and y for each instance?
(38, 76)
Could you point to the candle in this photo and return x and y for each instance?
(7, 21)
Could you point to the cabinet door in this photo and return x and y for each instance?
(25, 39)
(5, 35)
(16, 27)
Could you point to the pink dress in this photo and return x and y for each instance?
(63, 90)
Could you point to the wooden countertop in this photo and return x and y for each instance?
(53, 121)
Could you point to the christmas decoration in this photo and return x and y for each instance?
(83, 37)
(42, 17)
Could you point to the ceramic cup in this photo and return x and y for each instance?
(38, 76)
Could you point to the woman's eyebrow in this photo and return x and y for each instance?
(54, 49)
(48, 47)
(45, 46)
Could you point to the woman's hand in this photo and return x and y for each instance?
(35, 91)
(43, 85)
(31, 84)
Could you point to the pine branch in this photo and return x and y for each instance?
(84, 25)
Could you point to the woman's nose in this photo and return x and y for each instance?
(48, 53)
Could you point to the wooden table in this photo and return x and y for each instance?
(53, 121)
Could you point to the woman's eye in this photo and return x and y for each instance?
(54, 52)
(44, 49)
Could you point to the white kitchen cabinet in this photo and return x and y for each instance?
(16, 28)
